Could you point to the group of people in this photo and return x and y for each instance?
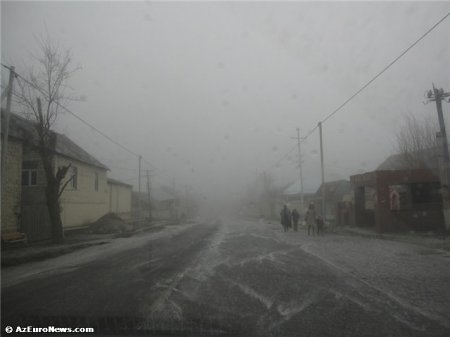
(314, 222)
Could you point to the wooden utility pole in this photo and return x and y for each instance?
(302, 198)
(438, 95)
(148, 196)
(12, 75)
(323, 173)
(139, 189)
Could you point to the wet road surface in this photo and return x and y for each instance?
(239, 278)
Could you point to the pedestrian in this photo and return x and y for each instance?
(285, 216)
(310, 218)
(295, 218)
(320, 225)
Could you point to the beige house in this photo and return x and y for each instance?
(119, 197)
(88, 195)
(11, 186)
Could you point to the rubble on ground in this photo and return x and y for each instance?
(108, 224)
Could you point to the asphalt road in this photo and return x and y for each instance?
(236, 278)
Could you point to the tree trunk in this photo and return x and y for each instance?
(52, 189)
(54, 211)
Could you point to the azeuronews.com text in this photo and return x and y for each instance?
(49, 329)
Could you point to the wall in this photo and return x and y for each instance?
(424, 216)
(119, 198)
(10, 207)
(83, 205)
(35, 220)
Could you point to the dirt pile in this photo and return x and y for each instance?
(108, 224)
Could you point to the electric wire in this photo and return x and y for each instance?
(370, 81)
(20, 77)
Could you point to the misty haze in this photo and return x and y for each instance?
(225, 168)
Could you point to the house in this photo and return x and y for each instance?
(85, 199)
(292, 197)
(11, 185)
(164, 201)
(119, 197)
(396, 197)
(338, 201)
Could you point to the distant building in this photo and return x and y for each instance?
(338, 201)
(165, 203)
(399, 196)
(119, 197)
(291, 196)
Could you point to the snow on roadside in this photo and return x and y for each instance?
(72, 261)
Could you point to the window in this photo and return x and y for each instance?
(29, 173)
(96, 182)
(74, 176)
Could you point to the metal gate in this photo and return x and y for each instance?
(35, 222)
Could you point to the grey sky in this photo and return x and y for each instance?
(212, 92)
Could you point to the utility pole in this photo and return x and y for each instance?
(12, 75)
(323, 173)
(302, 198)
(148, 196)
(139, 189)
(438, 95)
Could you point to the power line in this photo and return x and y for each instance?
(282, 158)
(386, 68)
(75, 115)
(42, 91)
(369, 82)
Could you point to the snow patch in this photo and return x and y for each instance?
(267, 302)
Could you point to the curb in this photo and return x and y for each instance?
(47, 254)
(51, 252)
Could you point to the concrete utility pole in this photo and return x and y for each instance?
(302, 197)
(139, 189)
(323, 173)
(148, 196)
(438, 95)
(12, 75)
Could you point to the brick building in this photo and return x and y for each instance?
(398, 200)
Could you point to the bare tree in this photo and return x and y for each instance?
(416, 141)
(41, 93)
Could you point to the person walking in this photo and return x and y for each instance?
(295, 218)
(310, 218)
(320, 225)
(285, 216)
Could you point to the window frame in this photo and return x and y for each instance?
(96, 181)
(31, 177)
(74, 177)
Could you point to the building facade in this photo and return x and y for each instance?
(85, 198)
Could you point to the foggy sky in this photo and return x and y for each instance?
(210, 93)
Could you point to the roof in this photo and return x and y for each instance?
(427, 159)
(157, 194)
(335, 189)
(24, 129)
(118, 182)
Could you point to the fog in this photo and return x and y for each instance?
(211, 93)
